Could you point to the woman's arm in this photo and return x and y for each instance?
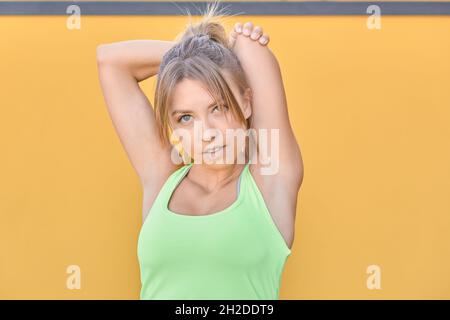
(141, 57)
(269, 104)
(121, 66)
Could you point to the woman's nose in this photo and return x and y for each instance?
(209, 131)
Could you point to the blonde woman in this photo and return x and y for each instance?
(212, 229)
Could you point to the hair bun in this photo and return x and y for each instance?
(209, 27)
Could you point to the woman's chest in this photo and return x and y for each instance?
(233, 239)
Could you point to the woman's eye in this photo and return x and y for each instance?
(181, 118)
(220, 107)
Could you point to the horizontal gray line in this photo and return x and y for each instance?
(241, 8)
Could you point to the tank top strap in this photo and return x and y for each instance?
(174, 180)
(260, 211)
(178, 175)
(169, 186)
(240, 177)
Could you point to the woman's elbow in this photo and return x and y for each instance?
(103, 53)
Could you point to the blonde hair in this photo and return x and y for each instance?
(200, 53)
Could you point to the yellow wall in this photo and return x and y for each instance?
(370, 109)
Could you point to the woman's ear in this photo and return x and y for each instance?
(248, 102)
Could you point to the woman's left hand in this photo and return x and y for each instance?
(254, 33)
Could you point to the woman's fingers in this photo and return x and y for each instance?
(238, 27)
(264, 39)
(232, 38)
(247, 29)
(255, 33)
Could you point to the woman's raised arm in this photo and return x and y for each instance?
(269, 105)
(121, 66)
(140, 57)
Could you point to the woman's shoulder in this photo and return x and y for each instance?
(162, 176)
(175, 171)
(153, 188)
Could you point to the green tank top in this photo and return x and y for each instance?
(234, 254)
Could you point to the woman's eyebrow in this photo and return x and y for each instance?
(190, 111)
(181, 111)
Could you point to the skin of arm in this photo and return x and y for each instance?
(121, 66)
(269, 105)
(141, 57)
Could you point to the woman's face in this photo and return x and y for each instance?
(200, 124)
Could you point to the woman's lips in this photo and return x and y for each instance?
(213, 150)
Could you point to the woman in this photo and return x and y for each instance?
(213, 229)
